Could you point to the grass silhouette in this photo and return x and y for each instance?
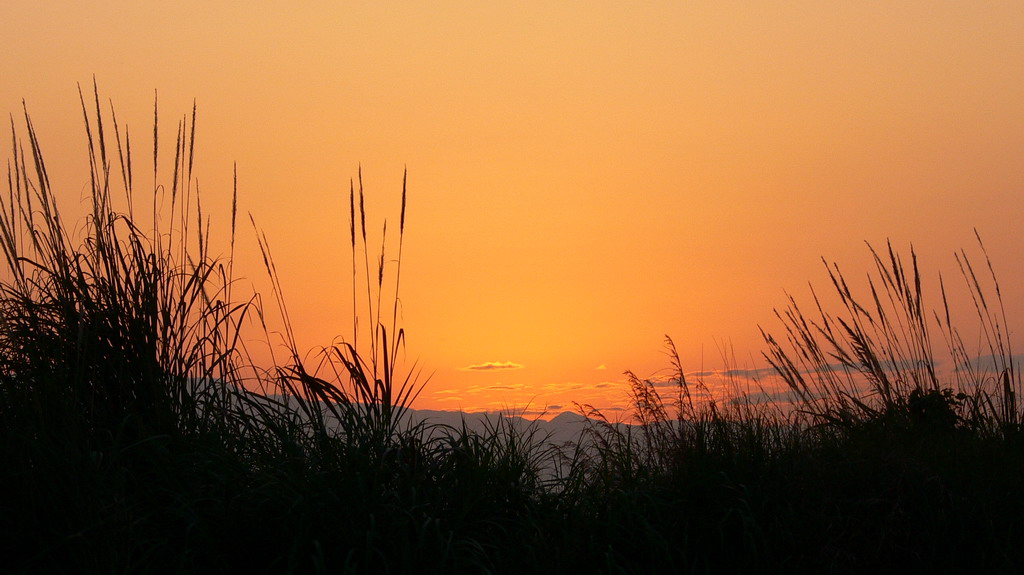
(138, 436)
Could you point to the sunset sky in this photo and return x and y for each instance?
(584, 177)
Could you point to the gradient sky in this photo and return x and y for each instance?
(584, 177)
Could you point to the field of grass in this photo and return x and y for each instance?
(138, 437)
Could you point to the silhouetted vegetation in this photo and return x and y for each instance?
(138, 436)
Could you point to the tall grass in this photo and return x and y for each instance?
(888, 459)
(129, 330)
(138, 435)
(355, 397)
(877, 358)
(113, 347)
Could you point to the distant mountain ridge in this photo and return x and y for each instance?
(564, 427)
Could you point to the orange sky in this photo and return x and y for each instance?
(584, 177)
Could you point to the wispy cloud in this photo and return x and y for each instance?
(765, 397)
(994, 363)
(492, 366)
(453, 398)
(505, 387)
(754, 373)
(601, 367)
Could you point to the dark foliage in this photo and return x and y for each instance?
(137, 437)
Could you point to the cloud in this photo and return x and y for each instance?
(992, 363)
(601, 367)
(506, 386)
(755, 373)
(492, 366)
(765, 397)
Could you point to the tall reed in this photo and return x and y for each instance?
(876, 356)
(121, 358)
(131, 329)
(356, 389)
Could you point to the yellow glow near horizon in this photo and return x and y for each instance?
(583, 177)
